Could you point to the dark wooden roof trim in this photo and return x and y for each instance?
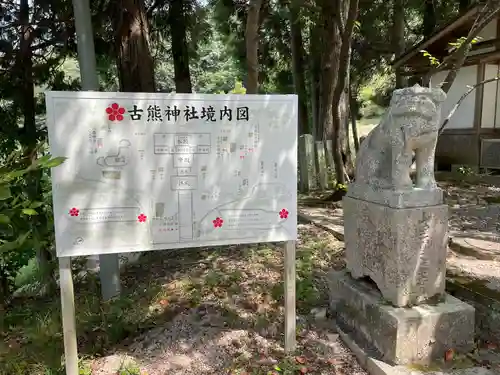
(459, 21)
(486, 57)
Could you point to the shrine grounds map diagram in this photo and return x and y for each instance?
(161, 171)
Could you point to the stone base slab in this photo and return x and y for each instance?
(400, 336)
(376, 367)
(403, 250)
(397, 199)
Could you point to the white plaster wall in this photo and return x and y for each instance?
(490, 116)
(497, 99)
(463, 118)
(490, 31)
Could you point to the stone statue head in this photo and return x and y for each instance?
(417, 101)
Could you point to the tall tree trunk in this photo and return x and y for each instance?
(398, 37)
(430, 18)
(29, 138)
(428, 27)
(329, 41)
(344, 112)
(177, 22)
(314, 78)
(298, 66)
(353, 111)
(252, 46)
(463, 5)
(347, 12)
(134, 60)
(25, 69)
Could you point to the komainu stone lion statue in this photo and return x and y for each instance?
(410, 125)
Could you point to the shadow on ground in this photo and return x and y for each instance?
(203, 311)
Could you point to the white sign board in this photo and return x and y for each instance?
(159, 171)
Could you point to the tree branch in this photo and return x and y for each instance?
(462, 98)
(345, 48)
(457, 58)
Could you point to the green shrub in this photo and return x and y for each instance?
(237, 89)
(375, 95)
(19, 238)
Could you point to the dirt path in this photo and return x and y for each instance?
(473, 264)
(196, 311)
(233, 322)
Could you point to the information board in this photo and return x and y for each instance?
(161, 171)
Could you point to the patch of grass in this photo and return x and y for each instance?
(31, 324)
(128, 369)
(458, 362)
(289, 366)
(312, 261)
(245, 281)
(27, 274)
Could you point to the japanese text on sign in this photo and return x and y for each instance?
(156, 113)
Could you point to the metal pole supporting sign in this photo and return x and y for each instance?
(68, 316)
(109, 265)
(290, 314)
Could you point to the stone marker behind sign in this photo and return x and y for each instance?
(396, 234)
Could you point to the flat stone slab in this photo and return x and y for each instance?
(324, 218)
(485, 249)
(396, 199)
(376, 367)
(400, 336)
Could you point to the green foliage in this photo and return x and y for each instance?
(434, 61)
(128, 368)
(458, 43)
(18, 237)
(237, 89)
(341, 187)
(465, 170)
(216, 69)
(374, 95)
(453, 46)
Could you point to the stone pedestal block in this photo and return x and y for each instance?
(400, 336)
(403, 250)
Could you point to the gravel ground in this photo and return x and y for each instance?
(240, 331)
(196, 342)
(236, 327)
(470, 212)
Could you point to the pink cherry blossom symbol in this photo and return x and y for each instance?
(218, 222)
(74, 212)
(142, 218)
(283, 214)
(115, 112)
